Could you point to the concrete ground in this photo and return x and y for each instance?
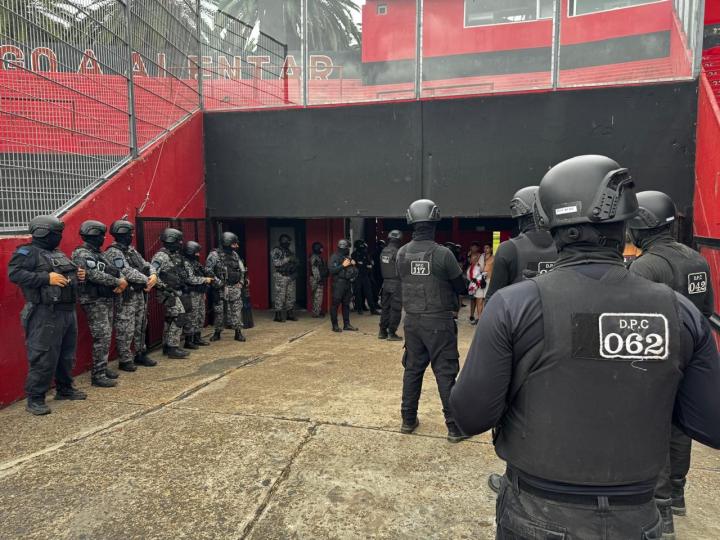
(293, 434)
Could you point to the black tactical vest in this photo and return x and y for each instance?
(691, 271)
(54, 261)
(174, 278)
(596, 408)
(317, 260)
(422, 291)
(388, 262)
(97, 290)
(232, 266)
(532, 257)
(134, 260)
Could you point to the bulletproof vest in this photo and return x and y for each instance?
(97, 290)
(690, 271)
(198, 270)
(135, 260)
(595, 408)
(54, 261)
(175, 277)
(532, 257)
(388, 258)
(233, 267)
(422, 291)
(318, 261)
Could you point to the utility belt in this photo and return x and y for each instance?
(50, 295)
(522, 485)
(198, 288)
(285, 273)
(57, 307)
(95, 291)
(233, 278)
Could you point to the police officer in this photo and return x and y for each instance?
(363, 285)
(284, 266)
(225, 264)
(530, 253)
(103, 282)
(343, 271)
(391, 295)
(49, 282)
(580, 372)
(170, 267)
(197, 283)
(318, 276)
(431, 281)
(663, 260)
(131, 307)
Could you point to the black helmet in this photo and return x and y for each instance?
(121, 227)
(395, 235)
(344, 244)
(422, 210)
(317, 247)
(284, 239)
(171, 236)
(360, 244)
(191, 248)
(92, 228)
(227, 239)
(585, 189)
(523, 202)
(41, 226)
(656, 210)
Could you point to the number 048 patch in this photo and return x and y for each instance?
(634, 336)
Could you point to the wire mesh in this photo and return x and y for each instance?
(63, 103)
(241, 65)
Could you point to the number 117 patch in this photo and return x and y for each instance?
(634, 336)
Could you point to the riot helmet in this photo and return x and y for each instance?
(171, 239)
(422, 210)
(191, 249)
(227, 239)
(585, 189)
(344, 246)
(93, 232)
(360, 245)
(46, 231)
(395, 236)
(122, 231)
(285, 241)
(656, 210)
(317, 248)
(523, 201)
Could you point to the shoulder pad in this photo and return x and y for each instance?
(90, 263)
(24, 250)
(119, 262)
(156, 264)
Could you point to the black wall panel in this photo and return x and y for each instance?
(366, 160)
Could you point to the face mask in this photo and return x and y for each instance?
(49, 242)
(124, 239)
(174, 247)
(95, 241)
(345, 251)
(286, 245)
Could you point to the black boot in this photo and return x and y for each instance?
(678, 496)
(37, 406)
(409, 425)
(495, 482)
(111, 373)
(190, 344)
(349, 327)
(165, 349)
(392, 336)
(70, 393)
(375, 312)
(336, 328)
(279, 316)
(198, 340)
(291, 316)
(142, 359)
(665, 507)
(128, 366)
(238, 335)
(455, 435)
(102, 381)
(216, 335)
(383, 334)
(177, 352)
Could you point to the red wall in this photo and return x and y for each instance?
(256, 256)
(712, 11)
(391, 36)
(168, 178)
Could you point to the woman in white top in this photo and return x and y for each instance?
(478, 274)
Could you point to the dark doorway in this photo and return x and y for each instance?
(236, 226)
(295, 228)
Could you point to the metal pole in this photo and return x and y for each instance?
(131, 85)
(419, 7)
(304, 48)
(699, 37)
(198, 35)
(555, 60)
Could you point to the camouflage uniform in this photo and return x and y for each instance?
(318, 275)
(230, 270)
(284, 268)
(195, 321)
(96, 298)
(131, 306)
(170, 268)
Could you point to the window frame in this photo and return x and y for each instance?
(645, 3)
(466, 25)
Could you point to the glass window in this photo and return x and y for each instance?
(583, 7)
(382, 9)
(487, 12)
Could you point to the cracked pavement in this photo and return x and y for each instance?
(293, 434)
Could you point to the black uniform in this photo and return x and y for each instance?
(342, 280)
(536, 352)
(431, 278)
(391, 296)
(530, 253)
(48, 318)
(684, 270)
(363, 285)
